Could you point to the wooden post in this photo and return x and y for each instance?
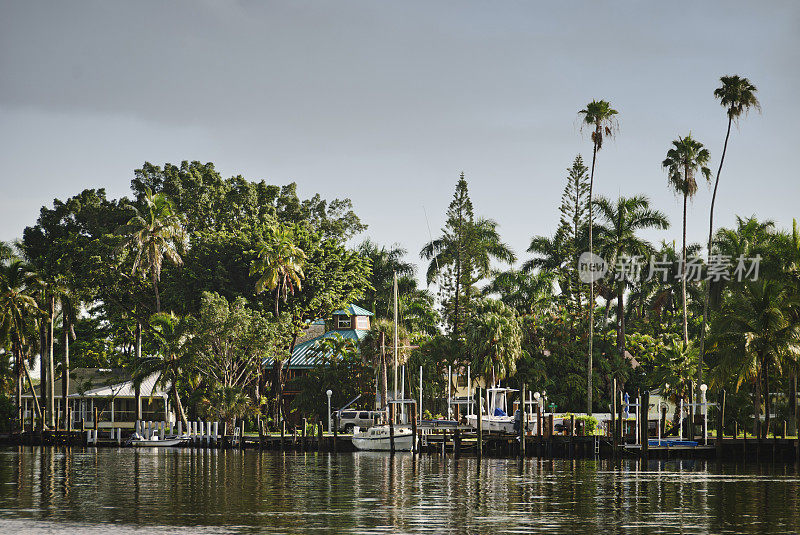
(614, 438)
(620, 421)
(241, 434)
(522, 423)
(303, 439)
(414, 428)
(96, 418)
(645, 427)
(479, 422)
(335, 432)
(283, 433)
(319, 437)
(391, 428)
(720, 423)
(260, 433)
(572, 435)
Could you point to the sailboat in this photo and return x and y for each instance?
(379, 437)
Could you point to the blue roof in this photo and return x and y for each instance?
(354, 310)
(304, 355)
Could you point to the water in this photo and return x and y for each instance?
(87, 491)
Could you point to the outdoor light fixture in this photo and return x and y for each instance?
(703, 388)
(329, 392)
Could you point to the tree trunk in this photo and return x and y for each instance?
(65, 370)
(621, 323)
(179, 406)
(44, 375)
(277, 300)
(51, 388)
(138, 357)
(384, 372)
(710, 239)
(18, 386)
(757, 405)
(158, 297)
(591, 288)
(767, 403)
(36, 406)
(683, 277)
(793, 404)
(283, 373)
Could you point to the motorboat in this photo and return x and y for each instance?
(496, 418)
(155, 441)
(378, 438)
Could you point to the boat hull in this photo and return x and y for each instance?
(499, 424)
(402, 442)
(156, 443)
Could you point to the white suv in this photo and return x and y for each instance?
(350, 419)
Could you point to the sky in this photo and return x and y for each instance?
(386, 103)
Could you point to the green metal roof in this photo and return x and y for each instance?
(304, 356)
(354, 310)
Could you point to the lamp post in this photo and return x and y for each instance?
(703, 388)
(329, 393)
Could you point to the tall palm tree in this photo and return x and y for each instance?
(601, 118)
(279, 265)
(471, 252)
(622, 220)
(156, 234)
(173, 335)
(737, 95)
(18, 310)
(684, 160)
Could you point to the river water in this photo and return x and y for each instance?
(87, 491)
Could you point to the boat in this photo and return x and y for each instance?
(156, 442)
(496, 418)
(378, 438)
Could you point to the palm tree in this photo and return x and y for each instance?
(279, 265)
(737, 95)
(173, 335)
(494, 336)
(617, 237)
(154, 235)
(526, 292)
(601, 118)
(385, 262)
(756, 331)
(227, 403)
(686, 157)
(18, 310)
(471, 252)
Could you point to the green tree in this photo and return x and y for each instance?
(600, 117)
(173, 336)
(737, 95)
(494, 339)
(618, 238)
(18, 310)
(279, 265)
(153, 236)
(525, 292)
(467, 247)
(574, 210)
(385, 263)
(684, 161)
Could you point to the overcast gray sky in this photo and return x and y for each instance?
(387, 102)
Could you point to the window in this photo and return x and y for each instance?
(344, 322)
(363, 416)
(348, 415)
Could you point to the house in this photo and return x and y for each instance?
(112, 392)
(352, 323)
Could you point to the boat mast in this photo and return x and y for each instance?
(396, 337)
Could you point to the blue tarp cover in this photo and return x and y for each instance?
(499, 412)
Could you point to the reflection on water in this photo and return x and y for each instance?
(97, 490)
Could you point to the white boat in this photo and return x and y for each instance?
(496, 418)
(155, 442)
(378, 439)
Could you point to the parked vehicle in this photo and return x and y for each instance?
(350, 419)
